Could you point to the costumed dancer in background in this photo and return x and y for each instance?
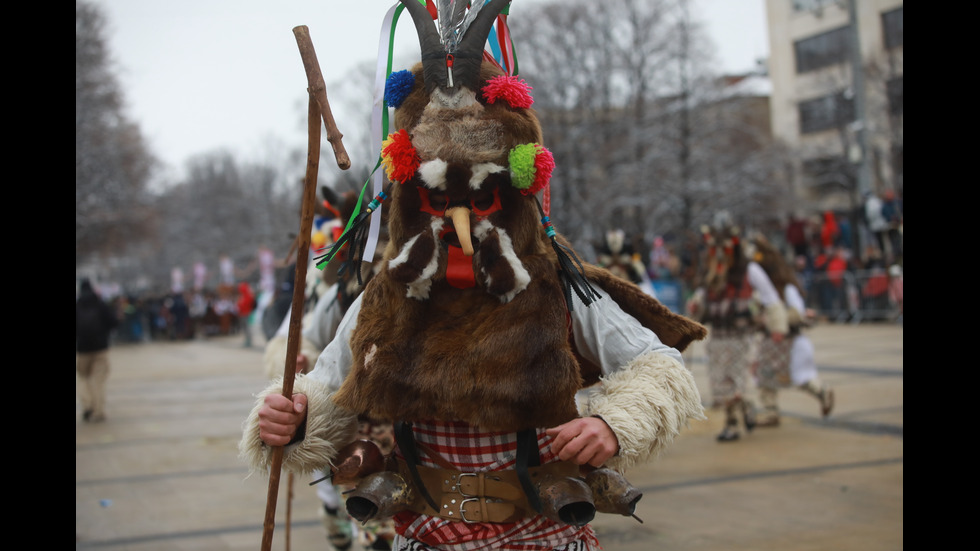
(476, 334)
(618, 256)
(733, 294)
(782, 363)
(328, 296)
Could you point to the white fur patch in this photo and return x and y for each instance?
(433, 173)
(481, 171)
(419, 289)
(521, 275)
(369, 356)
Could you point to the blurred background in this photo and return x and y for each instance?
(654, 138)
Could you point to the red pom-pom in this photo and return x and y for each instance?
(511, 89)
(399, 157)
(544, 164)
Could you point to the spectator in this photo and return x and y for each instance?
(660, 260)
(829, 230)
(891, 211)
(875, 219)
(796, 236)
(94, 323)
(245, 305)
(896, 289)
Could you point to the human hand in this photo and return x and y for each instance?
(280, 418)
(777, 337)
(586, 440)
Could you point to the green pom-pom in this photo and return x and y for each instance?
(521, 160)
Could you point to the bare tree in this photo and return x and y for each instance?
(646, 136)
(112, 163)
(225, 207)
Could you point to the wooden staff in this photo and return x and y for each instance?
(319, 92)
(318, 109)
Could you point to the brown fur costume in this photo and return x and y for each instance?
(497, 355)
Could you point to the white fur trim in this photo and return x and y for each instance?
(433, 173)
(328, 428)
(481, 171)
(646, 404)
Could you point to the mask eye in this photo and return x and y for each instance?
(434, 201)
(484, 203)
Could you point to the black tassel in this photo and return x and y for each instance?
(571, 270)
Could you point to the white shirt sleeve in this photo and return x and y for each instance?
(335, 361)
(762, 285)
(794, 299)
(323, 321)
(609, 337)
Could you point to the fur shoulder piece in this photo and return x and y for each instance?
(673, 329)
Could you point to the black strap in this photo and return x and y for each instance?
(528, 456)
(406, 443)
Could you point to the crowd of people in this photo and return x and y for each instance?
(184, 315)
(850, 264)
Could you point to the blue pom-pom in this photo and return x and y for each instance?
(398, 87)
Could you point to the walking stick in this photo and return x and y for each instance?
(289, 509)
(318, 109)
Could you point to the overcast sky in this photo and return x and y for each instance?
(204, 75)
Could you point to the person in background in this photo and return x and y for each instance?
(876, 221)
(829, 231)
(786, 362)
(796, 236)
(94, 323)
(245, 305)
(736, 300)
(891, 211)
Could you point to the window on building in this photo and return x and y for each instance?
(822, 50)
(811, 5)
(893, 28)
(826, 173)
(825, 112)
(896, 95)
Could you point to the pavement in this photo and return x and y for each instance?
(162, 472)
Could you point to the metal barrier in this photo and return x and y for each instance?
(856, 295)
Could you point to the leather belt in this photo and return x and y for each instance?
(492, 496)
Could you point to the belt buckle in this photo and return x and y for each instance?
(459, 482)
(459, 486)
(462, 512)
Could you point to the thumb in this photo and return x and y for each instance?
(299, 403)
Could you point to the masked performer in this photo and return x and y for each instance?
(736, 299)
(788, 362)
(479, 330)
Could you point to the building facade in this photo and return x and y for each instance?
(846, 125)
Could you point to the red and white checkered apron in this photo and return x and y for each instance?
(472, 450)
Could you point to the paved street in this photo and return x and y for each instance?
(162, 473)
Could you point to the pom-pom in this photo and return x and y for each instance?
(530, 167)
(399, 157)
(511, 89)
(398, 86)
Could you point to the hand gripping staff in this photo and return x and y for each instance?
(318, 109)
